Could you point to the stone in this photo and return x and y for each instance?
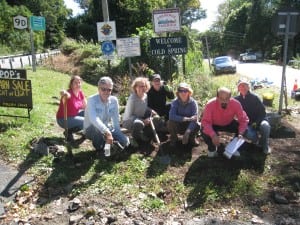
(75, 218)
(280, 199)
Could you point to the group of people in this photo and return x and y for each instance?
(147, 108)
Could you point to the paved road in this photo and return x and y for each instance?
(273, 73)
(10, 182)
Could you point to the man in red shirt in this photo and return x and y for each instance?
(222, 113)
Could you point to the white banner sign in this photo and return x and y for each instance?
(166, 20)
(106, 31)
(128, 47)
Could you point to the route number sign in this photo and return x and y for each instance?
(20, 22)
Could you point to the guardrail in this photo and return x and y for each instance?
(294, 63)
(21, 60)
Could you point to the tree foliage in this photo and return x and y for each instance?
(55, 13)
(246, 24)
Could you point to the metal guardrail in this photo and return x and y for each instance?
(21, 60)
(294, 63)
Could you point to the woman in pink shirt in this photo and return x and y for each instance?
(76, 103)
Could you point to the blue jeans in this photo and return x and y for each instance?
(72, 122)
(98, 138)
(264, 131)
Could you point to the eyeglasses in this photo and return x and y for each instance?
(183, 91)
(105, 89)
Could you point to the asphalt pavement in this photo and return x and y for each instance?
(11, 181)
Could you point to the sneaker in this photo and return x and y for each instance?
(212, 154)
(236, 154)
(268, 151)
(185, 138)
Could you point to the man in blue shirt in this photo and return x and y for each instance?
(101, 119)
(256, 112)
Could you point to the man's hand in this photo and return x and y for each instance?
(109, 138)
(240, 136)
(216, 140)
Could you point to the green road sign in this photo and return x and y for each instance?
(37, 23)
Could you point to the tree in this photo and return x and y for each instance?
(55, 13)
(15, 40)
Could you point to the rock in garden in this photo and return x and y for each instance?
(280, 199)
(75, 218)
(74, 205)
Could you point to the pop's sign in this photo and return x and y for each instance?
(166, 20)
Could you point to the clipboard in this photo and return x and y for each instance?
(233, 146)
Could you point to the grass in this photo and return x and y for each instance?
(134, 179)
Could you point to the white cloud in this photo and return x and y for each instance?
(74, 6)
(211, 7)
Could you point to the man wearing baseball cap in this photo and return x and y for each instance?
(158, 95)
(256, 113)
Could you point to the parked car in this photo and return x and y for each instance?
(223, 64)
(248, 57)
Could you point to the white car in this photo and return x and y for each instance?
(248, 57)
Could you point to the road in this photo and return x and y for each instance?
(272, 73)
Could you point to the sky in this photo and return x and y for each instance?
(74, 6)
(211, 7)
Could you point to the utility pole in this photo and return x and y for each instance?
(105, 11)
(105, 19)
(207, 50)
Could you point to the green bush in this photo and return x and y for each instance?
(68, 46)
(87, 50)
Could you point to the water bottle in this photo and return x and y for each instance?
(107, 150)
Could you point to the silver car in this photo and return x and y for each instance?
(223, 64)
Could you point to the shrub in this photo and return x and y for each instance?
(68, 46)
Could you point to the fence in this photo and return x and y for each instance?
(21, 60)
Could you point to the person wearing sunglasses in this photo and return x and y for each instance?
(183, 117)
(75, 104)
(101, 120)
(222, 114)
(136, 117)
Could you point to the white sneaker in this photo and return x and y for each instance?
(268, 151)
(212, 154)
(237, 154)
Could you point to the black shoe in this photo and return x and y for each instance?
(69, 136)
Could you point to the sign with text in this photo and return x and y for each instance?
(166, 20)
(37, 23)
(20, 22)
(13, 74)
(15, 93)
(128, 47)
(168, 45)
(106, 31)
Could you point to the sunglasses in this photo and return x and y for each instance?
(183, 91)
(105, 89)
